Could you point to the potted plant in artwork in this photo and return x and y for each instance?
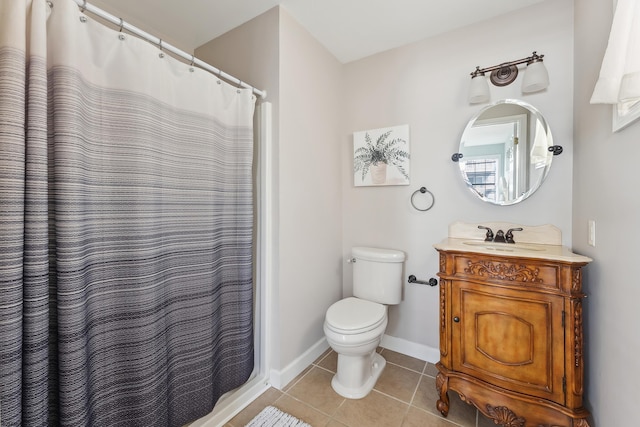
(376, 157)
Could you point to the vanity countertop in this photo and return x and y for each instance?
(526, 250)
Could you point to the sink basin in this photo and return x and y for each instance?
(505, 247)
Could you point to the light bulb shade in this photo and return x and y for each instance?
(478, 90)
(535, 78)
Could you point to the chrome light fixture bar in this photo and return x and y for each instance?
(535, 79)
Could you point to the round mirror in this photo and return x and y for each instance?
(505, 152)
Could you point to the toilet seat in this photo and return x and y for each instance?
(352, 316)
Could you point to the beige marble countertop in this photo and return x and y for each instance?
(527, 250)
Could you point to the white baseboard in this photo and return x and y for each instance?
(280, 379)
(419, 351)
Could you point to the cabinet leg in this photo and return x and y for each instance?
(442, 385)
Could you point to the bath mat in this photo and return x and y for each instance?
(274, 417)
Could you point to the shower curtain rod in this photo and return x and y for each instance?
(165, 46)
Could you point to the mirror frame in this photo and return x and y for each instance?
(549, 154)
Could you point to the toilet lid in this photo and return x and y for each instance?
(354, 314)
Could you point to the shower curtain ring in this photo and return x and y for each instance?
(84, 6)
(120, 35)
(161, 54)
(191, 66)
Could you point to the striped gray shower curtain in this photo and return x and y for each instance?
(126, 215)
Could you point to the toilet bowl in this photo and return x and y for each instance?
(354, 326)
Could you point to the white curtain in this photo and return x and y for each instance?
(619, 80)
(126, 227)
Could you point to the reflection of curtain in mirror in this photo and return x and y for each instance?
(540, 154)
(521, 144)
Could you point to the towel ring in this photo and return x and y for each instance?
(423, 190)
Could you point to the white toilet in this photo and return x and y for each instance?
(354, 326)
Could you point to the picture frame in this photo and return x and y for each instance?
(381, 156)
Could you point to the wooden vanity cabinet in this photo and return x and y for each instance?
(511, 338)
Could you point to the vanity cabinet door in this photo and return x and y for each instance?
(513, 339)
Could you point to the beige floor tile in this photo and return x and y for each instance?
(310, 398)
(398, 382)
(403, 360)
(322, 356)
(315, 390)
(330, 362)
(427, 396)
(419, 418)
(375, 410)
(301, 411)
(431, 370)
(265, 399)
(294, 381)
(334, 423)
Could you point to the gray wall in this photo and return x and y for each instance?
(605, 174)
(425, 85)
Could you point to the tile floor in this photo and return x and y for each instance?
(404, 396)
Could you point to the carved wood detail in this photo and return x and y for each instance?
(505, 417)
(577, 333)
(440, 379)
(577, 280)
(442, 385)
(444, 347)
(443, 308)
(503, 271)
(443, 263)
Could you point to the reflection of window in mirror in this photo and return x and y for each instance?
(497, 156)
(481, 174)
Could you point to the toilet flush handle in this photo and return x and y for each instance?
(351, 260)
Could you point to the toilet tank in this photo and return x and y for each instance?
(377, 274)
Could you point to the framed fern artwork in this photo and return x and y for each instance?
(381, 156)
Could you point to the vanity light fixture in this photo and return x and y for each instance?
(535, 79)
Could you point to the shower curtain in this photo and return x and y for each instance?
(126, 215)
